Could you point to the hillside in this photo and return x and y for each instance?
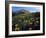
(24, 17)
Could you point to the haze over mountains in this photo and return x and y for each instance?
(30, 9)
(23, 11)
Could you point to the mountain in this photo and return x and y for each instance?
(23, 11)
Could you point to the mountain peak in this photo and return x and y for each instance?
(23, 11)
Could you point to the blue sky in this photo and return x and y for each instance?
(30, 9)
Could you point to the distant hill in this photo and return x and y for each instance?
(23, 12)
(37, 14)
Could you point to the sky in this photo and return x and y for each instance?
(30, 9)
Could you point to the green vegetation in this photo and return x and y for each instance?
(25, 19)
